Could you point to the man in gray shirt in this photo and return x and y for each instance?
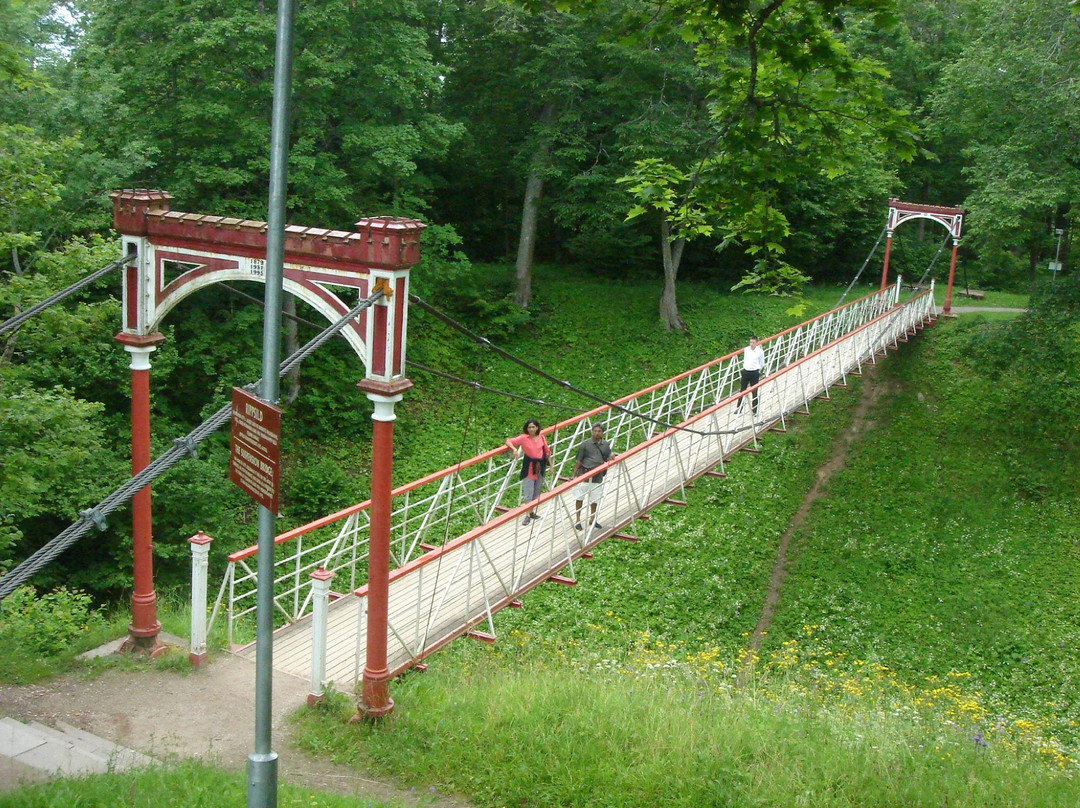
(593, 452)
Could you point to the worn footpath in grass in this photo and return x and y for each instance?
(932, 556)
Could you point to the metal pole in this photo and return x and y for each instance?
(262, 763)
(375, 699)
(885, 267)
(144, 627)
(946, 310)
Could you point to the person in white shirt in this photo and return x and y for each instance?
(753, 358)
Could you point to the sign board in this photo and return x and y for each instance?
(1055, 266)
(255, 448)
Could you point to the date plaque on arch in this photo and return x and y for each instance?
(255, 448)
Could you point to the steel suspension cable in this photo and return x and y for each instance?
(477, 386)
(858, 274)
(933, 261)
(562, 383)
(182, 448)
(442, 374)
(36, 309)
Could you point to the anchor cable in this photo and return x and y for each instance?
(182, 448)
(36, 309)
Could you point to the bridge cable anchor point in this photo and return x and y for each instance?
(188, 444)
(96, 516)
(383, 285)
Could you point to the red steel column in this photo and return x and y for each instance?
(144, 628)
(885, 269)
(946, 310)
(375, 700)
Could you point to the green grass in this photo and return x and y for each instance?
(990, 299)
(538, 732)
(187, 785)
(928, 609)
(929, 557)
(923, 648)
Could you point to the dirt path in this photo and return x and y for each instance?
(871, 390)
(978, 309)
(208, 714)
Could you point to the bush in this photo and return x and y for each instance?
(49, 624)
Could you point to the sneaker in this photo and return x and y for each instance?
(525, 521)
(597, 526)
(578, 526)
(535, 517)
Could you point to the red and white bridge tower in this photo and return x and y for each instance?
(175, 255)
(950, 218)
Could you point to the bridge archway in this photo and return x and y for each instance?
(178, 254)
(322, 299)
(950, 218)
(174, 254)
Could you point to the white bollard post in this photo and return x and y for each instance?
(320, 601)
(200, 565)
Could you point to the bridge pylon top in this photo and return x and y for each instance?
(379, 241)
(950, 218)
(178, 253)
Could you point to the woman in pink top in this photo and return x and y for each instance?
(534, 447)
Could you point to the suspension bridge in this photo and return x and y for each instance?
(460, 549)
(373, 590)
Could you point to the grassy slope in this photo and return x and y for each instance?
(928, 558)
(922, 646)
(910, 601)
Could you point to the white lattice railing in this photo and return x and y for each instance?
(451, 589)
(467, 500)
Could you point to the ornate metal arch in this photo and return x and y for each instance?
(181, 253)
(950, 218)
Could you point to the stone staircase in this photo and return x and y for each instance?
(34, 752)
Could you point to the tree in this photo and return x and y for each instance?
(786, 101)
(1013, 100)
(929, 36)
(190, 90)
(28, 184)
(557, 100)
(658, 187)
(522, 77)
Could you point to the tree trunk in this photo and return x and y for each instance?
(1033, 260)
(527, 241)
(530, 210)
(292, 345)
(9, 346)
(669, 307)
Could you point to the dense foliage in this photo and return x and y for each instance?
(604, 145)
(626, 131)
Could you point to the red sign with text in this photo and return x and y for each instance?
(255, 448)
